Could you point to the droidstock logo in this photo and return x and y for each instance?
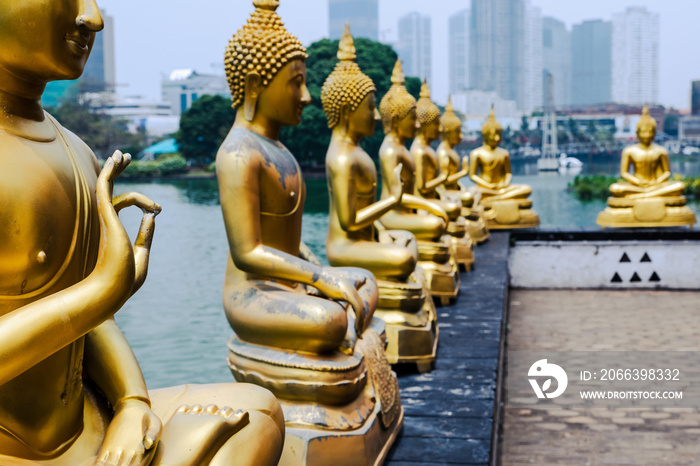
(542, 370)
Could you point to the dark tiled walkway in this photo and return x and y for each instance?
(449, 411)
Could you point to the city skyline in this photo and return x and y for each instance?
(152, 43)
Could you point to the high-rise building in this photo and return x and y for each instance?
(459, 51)
(505, 50)
(556, 60)
(635, 56)
(363, 16)
(99, 74)
(414, 45)
(591, 62)
(695, 98)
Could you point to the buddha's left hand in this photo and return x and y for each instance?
(132, 435)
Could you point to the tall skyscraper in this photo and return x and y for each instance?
(591, 62)
(635, 56)
(99, 74)
(505, 50)
(695, 98)
(459, 51)
(363, 16)
(414, 45)
(556, 60)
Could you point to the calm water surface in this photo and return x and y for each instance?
(176, 323)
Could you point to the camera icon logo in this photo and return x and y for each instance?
(542, 369)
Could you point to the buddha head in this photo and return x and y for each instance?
(428, 115)
(266, 69)
(348, 94)
(398, 107)
(451, 125)
(47, 40)
(646, 128)
(491, 131)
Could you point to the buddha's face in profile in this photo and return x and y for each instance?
(45, 40)
(431, 130)
(646, 134)
(454, 137)
(492, 137)
(363, 120)
(406, 128)
(284, 99)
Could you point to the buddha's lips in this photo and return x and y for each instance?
(77, 45)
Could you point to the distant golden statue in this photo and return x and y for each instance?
(71, 390)
(646, 197)
(398, 111)
(428, 180)
(304, 331)
(405, 303)
(505, 204)
(449, 163)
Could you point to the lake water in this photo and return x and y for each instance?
(176, 324)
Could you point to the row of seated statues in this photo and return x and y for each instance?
(313, 345)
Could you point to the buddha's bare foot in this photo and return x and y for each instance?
(195, 434)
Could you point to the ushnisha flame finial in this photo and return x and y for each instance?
(424, 90)
(646, 119)
(427, 110)
(491, 123)
(346, 48)
(347, 84)
(397, 102)
(271, 5)
(397, 76)
(449, 120)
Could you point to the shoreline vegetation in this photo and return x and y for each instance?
(175, 167)
(590, 187)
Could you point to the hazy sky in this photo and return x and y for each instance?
(153, 37)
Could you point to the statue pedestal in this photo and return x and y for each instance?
(510, 213)
(441, 270)
(462, 244)
(668, 211)
(411, 322)
(338, 408)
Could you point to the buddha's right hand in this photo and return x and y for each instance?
(337, 287)
(115, 255)
(144, 238)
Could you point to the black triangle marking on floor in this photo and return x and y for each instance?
(654, 278)
(616, 278)
(635, 278)
(645, 258)
(625, 258)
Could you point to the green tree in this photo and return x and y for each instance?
(309, 141)
(102, 133)
(203, 127)
(671, 124)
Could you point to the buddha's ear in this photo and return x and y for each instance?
(394, 122)
(344, 115)
(252, 92)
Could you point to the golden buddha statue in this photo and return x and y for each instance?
(398, 112)
(428, 180)
(449, 163)
(304, 331)
(646, 197)
(505, 205)
(71, 390)
(405, 303)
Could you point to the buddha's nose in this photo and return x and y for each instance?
(377, 116)
(89, 16)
